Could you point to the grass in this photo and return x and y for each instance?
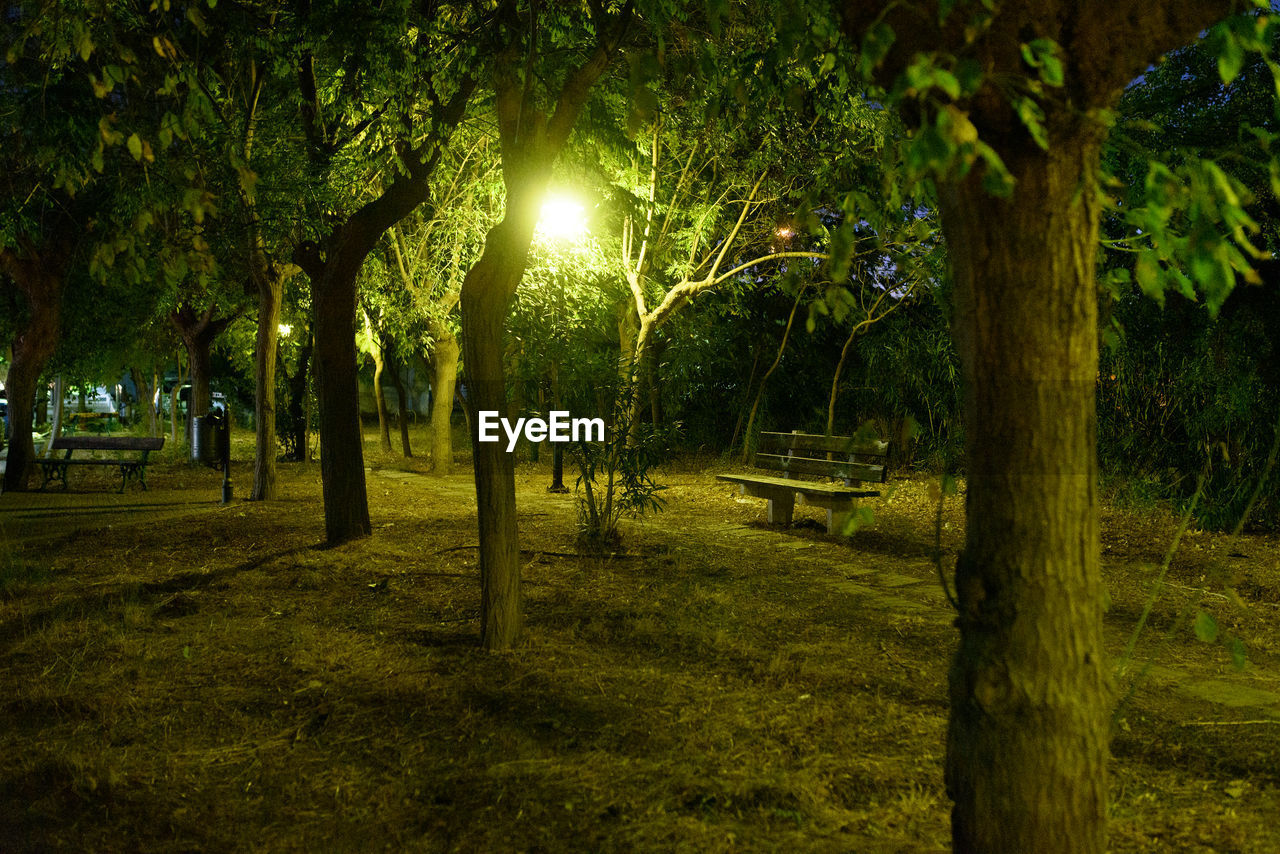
(186, 676)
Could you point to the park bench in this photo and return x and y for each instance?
(849, 459)
(55, 468)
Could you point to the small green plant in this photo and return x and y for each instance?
(614, 478)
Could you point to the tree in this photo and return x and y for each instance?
(1016, 99)
(531, 140)
(332, 262)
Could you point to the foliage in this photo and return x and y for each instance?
(615, 478)
(1186, 384)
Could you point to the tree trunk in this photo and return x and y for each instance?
(402, 400)
(146, 396)
(782, 346)
(173, 401)
(55, 425)
(298, 395)
(444, 379)
(751, 379)
(270, 293)
(198, 332)
(380, 397)
(631, 390)
(656, 414)
(346, 502)
(835, 379)
(486, 294)
(40, 283)
(1027, 743)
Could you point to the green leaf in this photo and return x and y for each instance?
(969, 73)
(875, 46)
(1051, 72)
(1147, 271)
(1033, 119)
(135, 146)
(1206, 627)
(84, 44)
(947, 82)
(1231, 57)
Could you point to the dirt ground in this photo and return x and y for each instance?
(176, 675)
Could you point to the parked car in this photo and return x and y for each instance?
(98, 400)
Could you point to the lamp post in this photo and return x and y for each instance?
(561, 223)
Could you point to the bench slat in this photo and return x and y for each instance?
(108, 443)
(804, 487)
(813, 443)
(829, 468)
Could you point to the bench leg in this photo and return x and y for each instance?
(838, 517)
(781, 508)
(53, 470)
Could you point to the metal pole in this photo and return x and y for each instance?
(224, 424)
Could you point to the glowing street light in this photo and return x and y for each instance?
(562, 220)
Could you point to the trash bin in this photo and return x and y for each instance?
(209, 439)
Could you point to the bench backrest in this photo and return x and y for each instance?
(108, 443)
(844, 457)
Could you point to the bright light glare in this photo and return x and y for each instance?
(284, 329)
(561, 220)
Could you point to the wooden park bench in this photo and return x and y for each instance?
(55, 468)
(852, 461)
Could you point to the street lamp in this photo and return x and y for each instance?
(561, 222)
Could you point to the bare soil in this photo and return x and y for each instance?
(176, 675)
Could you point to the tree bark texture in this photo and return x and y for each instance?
(270, 293)
(346, 502)
(486, 294)
(39, 279)
(444, 379)
(531, 141)
(1027, 741)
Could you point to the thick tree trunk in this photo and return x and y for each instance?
(1027, 744)
(444, 379)
(198, 332)
(486, 293)
(270, 292)
(346, 503)
(199, 364)
(40, 282)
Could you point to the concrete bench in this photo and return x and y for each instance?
(851, 461)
